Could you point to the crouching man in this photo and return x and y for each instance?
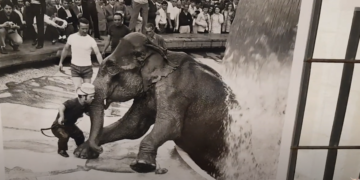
(10, 24)
(70, 111)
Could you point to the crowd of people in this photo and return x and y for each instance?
(56, 20)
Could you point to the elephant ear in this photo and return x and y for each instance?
(155, 69)
(111, 68)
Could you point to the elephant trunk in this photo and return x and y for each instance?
(97, 117)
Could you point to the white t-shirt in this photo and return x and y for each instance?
(81, 48)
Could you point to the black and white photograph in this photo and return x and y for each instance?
(179, 89)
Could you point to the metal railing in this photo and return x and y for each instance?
(343, 96)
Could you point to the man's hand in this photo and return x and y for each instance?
(8, 24)
(60, 66)
(61, 120)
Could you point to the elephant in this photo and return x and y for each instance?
(186, 101)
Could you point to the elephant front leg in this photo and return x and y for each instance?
(168, 125)
(133, 125)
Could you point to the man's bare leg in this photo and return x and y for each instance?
(87, 80)
(77, 82)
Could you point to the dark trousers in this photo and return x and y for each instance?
(151, 19)
(171, 30)
(89, 11)
(51, 33)
(65, 132)
(35, 10)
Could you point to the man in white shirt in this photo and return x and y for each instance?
(173, 11)
(81, 45)
(161, 20)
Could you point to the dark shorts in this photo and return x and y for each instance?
(84, 72)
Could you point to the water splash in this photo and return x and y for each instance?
(255, 124)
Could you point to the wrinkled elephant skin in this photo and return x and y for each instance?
(184, 99)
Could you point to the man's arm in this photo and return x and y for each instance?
(63, 55)
(157, 20)
(97, 53)
(61, 113)
(107, 44)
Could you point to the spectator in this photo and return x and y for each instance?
(229, 15)
(90, 13)
(174, 11)
(110, 10)
(10, 23)
(100, 8)
(37, 9)
(20, 9)
(203, 21)
(185, 20)
(127, 15)
(153, 37)
(81, 45)
(52, 29)
(67, 14)
(161, 20)
(78, 9)
(152, 11)
(58, 4)
(138, 5)
(216, 21)
(116, 32)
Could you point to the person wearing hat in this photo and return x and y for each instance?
(70, 111)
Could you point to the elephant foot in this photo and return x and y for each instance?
(85, 152)
(161, 171)
(142, 166)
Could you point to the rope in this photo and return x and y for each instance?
(44, 129)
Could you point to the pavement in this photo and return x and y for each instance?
(29, 102)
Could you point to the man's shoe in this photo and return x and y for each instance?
(15, 47)
(63, 153)
(3, 50)
(34, 42)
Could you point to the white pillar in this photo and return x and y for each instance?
(294, 87)
(2, 167)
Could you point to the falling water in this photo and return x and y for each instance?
(255, 128)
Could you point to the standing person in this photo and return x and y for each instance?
(81, 47)
(162, 21)
(152, 11)
(138, 5)
(116, 31)
(184, 21)
(70, 111)
(37, 8)
(203, 22)
(217, 19)
(90, 13)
